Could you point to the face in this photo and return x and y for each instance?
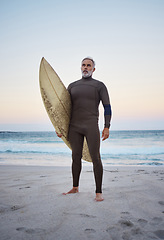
(87, 68)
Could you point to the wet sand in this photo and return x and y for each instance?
(32, 205)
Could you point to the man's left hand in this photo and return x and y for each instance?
(105, 134)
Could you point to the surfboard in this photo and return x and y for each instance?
(57, 103)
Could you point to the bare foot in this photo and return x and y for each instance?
(73, 190)
(99, 197)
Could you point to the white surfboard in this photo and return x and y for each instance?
(57, 102)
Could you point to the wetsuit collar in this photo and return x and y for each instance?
(87, 79)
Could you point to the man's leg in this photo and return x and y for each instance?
(93, 140)
(76, 140)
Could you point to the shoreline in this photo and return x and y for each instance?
(83, 166)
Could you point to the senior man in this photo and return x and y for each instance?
(86, 95)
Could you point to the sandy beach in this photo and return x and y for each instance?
(32, 205)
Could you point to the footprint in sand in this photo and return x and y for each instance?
(126, 223)
(31, 230)
(156, 221)
(114, 232)
(80, 214)
(159, 234)
(25, 187)
(126, 229)
(7, 208)
(14, 208)
(126, 236)
(142, 222)
(134, 231)
(90, 232)
(86, 215)
(161, 203)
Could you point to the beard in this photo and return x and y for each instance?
(86, 74)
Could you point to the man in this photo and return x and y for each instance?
(86, 95)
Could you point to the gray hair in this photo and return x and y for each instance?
(89, 58)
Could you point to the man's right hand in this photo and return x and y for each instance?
(59, 135)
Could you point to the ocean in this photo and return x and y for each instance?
(46, 149)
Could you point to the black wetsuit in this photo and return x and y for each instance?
(86, 95)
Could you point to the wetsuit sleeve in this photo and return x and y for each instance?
(104, 97)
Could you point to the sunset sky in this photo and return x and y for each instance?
(125, 37)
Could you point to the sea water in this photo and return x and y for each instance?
(46, 149)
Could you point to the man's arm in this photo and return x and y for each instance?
(107, 111)
(107, 115)
(107, 118)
